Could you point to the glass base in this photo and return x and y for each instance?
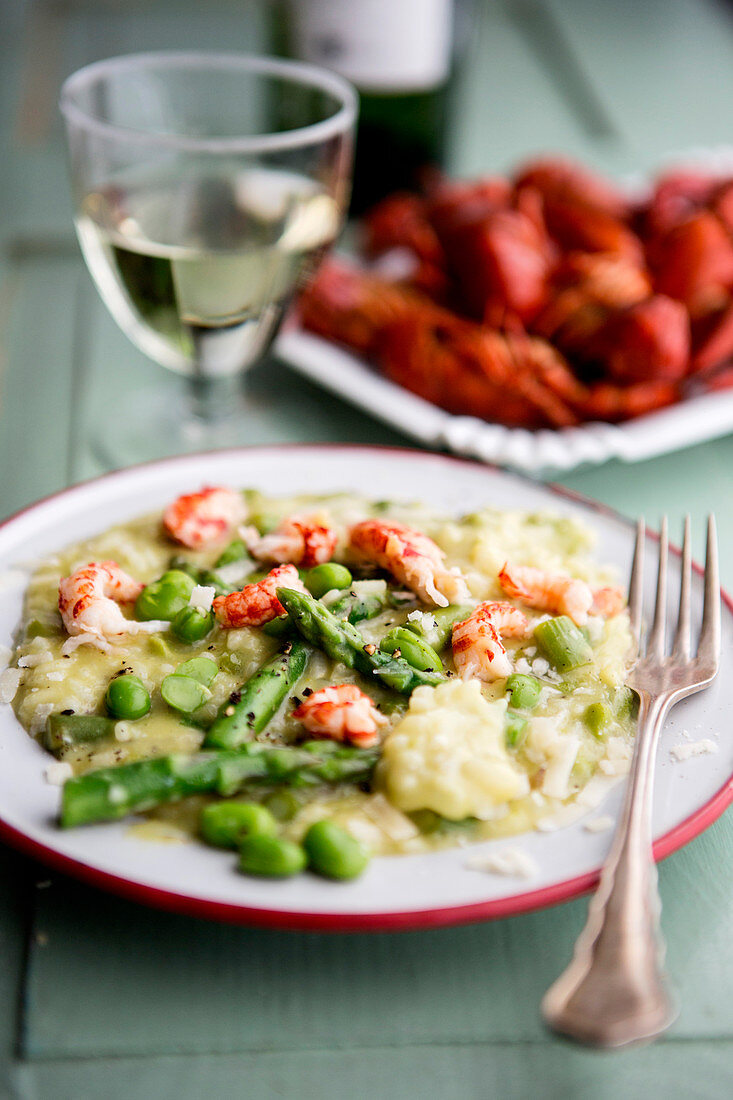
(158, 423)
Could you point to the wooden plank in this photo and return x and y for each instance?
(674, 1071)
(36, 394)
(510, 104)
(18, 876)
(663, 69)
(280, 405)
(695, 480)
(52, 42)
(263, 991)
(510, 100)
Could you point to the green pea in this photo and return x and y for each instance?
(127, 697)
(183, 693)
(525, 691)
(323, 578)
(201, 668)
(158, 646)
(413, 648)
(333, 852)
(596, 717)
(226, 824)
(271, 856)
(164, 598)
(191, 624)
(235, 551)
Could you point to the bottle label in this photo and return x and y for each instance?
(380, 45)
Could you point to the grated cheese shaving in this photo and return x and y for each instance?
(683, 752)
(202, 596)
(58, 772)
(9, 684)
(513, 862)
(40, 714)
(599, 824)
(32, 659)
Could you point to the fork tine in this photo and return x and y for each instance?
(681, 645)
(656, 643)
(636, 583)
(709, 647)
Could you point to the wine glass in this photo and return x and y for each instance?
(207, 187)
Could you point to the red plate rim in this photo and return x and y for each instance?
(411, 920)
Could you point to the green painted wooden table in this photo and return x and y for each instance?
(101, 998)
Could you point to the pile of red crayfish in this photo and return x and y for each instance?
(543, 300)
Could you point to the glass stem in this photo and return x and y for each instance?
(214, 399)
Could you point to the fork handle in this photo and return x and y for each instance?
(614, 991)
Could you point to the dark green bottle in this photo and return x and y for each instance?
(398, 54)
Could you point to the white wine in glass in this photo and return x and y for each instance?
(198, 244)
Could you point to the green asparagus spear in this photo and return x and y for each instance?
(250, 708)
(562, 643)
(70, 731)
(111, 793)
(414, 649)
(355, 606)
(343, 642)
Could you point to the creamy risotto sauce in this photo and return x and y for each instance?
(449, 771)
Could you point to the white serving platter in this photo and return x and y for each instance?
(695, 420)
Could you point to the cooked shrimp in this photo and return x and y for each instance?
(343, 713)
(257, 604)
(554, 592)
(204, 518)
(608, 601)
(412, 558)
(89, 601)
(298, 539)
(478, 650)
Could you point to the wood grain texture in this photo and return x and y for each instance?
(512, 1071)
(123, 1002)
(37, 392)
(662, 69)
(255, 990)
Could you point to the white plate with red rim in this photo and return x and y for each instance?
(414, 891)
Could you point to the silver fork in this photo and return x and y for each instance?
(614, 991)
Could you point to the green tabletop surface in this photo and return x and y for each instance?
(104, 998)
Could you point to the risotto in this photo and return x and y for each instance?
(314, 680)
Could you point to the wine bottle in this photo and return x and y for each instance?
(398, 53)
